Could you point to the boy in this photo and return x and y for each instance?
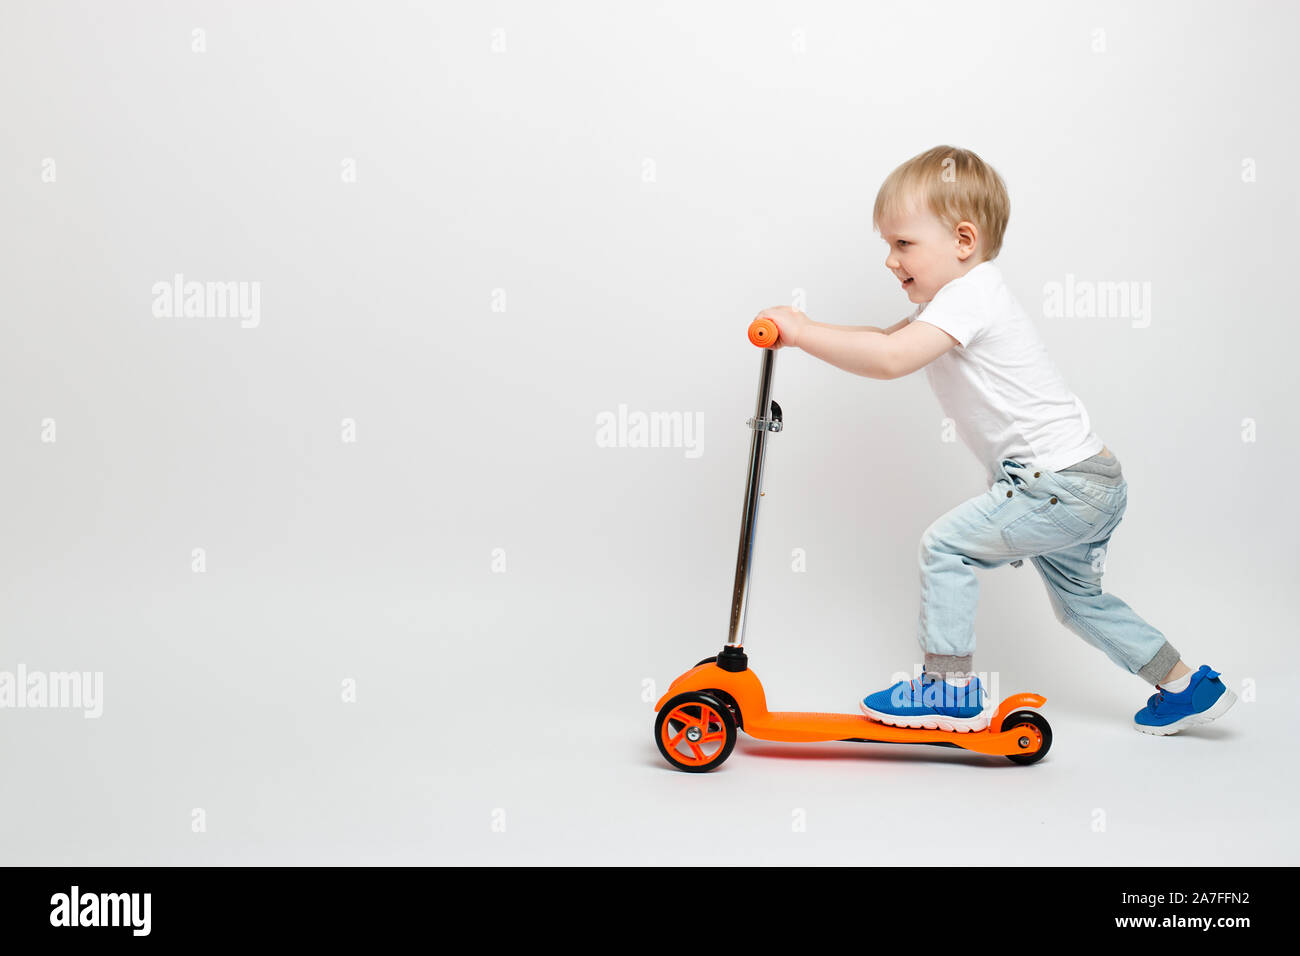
(1057, 493)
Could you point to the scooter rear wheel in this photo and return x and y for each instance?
(1033, 724)
(695, 732)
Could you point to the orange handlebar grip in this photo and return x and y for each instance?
(764, 333)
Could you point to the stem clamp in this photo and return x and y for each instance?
(772, 424)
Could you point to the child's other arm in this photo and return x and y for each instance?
(863, 328)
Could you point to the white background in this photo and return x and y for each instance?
(483, 696)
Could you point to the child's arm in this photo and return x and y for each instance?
(846, 328)
(875, 354)
(862, 353)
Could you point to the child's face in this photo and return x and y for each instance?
(924, 255)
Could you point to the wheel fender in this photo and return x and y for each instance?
(1014, 702)
(697, 678)
(742, 686)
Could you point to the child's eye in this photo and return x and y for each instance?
(902, 242)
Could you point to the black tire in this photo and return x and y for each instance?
(708, 660)
(1033, 719)
(720, 721)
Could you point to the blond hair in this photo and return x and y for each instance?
(955, 185)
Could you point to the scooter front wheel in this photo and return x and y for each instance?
(695, 732)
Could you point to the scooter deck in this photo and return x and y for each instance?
(798, 727)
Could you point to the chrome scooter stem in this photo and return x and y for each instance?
(761, 424)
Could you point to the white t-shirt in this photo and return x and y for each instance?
(1001, 388)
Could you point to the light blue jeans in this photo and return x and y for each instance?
(1062, 521)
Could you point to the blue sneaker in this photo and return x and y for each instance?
(930, 703)
(1204, 699)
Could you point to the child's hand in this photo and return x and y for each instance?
(790, 321)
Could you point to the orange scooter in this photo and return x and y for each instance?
(700, 716)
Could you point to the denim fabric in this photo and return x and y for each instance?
(1062, 521)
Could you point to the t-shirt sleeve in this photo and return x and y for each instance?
(959, 309)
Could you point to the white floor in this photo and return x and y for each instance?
(589, 789)
(1105, 794)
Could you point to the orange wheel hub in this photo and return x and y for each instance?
(694, 734)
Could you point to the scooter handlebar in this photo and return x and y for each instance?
(764, 333)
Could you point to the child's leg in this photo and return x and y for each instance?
(1011, 520)
(950, 550)
(1073, 579)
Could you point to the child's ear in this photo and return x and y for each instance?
(967, 236)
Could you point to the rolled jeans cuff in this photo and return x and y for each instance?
(1160, 665)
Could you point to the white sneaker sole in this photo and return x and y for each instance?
(1218, 709)
(960, 725)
